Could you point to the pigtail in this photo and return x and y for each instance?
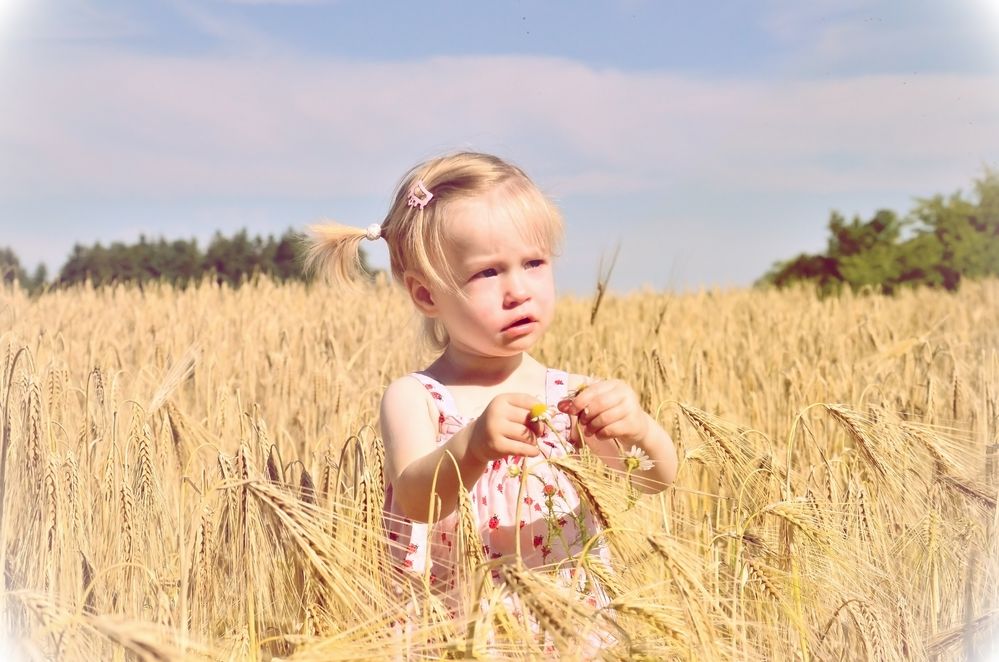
(334, 252)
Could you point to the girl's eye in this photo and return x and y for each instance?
(486, 273)
(534, 264)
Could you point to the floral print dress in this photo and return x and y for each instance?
(546, 513)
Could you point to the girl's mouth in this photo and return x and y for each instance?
(523, 321)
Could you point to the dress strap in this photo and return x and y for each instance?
(556, 386)
(442, 397)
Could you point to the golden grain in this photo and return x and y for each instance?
(826, 476)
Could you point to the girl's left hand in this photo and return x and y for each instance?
(608, 409)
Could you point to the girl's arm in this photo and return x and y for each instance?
(609, 410)
(412, 455)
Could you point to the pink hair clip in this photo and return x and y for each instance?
(419, 196)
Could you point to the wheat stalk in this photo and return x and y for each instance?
(33, 441)
(876, 503)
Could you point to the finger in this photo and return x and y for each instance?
(528, 451)
(607, 418)
(601, 404)
(537, 428)
(613, 431)
(519, 432)
(517, 420)
(515, 439)
(608, 401)
(591, 397)
(522, 401)
(515, 447)
(568, 405)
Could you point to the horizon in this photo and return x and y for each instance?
(710, 141)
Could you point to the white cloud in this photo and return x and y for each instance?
(231, 35)
(253, 134)
(836, 36)
(789, 20)
(171, 126)
(71, 20)
(279, 2)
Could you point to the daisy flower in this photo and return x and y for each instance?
(540, 413)
(638, 459)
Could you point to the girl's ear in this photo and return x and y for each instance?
(420, 294)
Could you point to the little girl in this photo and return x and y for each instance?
(472, 240)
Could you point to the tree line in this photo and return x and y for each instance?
(940, 242)
(226, 259)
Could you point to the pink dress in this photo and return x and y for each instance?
(549, 518)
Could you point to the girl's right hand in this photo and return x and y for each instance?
(504, 429)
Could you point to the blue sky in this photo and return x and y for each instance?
(709, 139)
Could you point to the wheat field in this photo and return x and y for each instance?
(196, 474)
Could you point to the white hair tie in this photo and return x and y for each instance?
(373, 232)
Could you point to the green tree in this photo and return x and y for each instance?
(39, 278)
(966, 231)
(228, 259)
(11, 270)
(866, 251)
(181, 259)
(288, 256)
(231, 259)
(818, 269)
(952, 238)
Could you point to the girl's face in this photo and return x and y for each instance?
(507, 284)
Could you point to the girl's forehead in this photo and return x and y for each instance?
(485, 225)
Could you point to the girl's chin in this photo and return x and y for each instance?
(505, 343)
(499, 349)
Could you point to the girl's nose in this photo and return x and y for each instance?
(516, 291)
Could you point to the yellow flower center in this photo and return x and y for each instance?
(538, 410)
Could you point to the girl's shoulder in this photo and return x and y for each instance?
(407, 396)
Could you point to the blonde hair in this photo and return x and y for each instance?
(417, 236)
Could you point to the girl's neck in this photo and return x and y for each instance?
(458, 367)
